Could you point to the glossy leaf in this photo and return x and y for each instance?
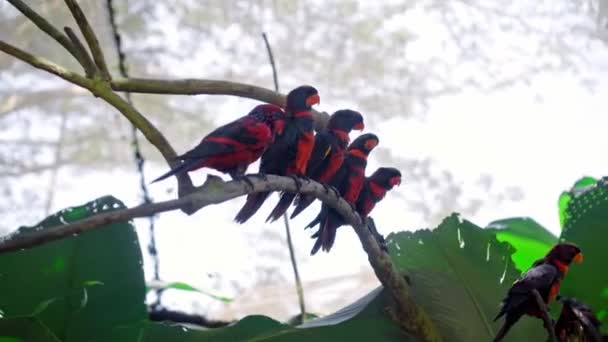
(81, 285)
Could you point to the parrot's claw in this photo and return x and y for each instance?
(297, 181)
(245, 179)
(333, 189)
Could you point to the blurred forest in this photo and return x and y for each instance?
(387, 59)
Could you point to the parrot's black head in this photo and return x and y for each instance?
(386, 177)
(565, 253)
(364, 143)
(302, 98)
(272, 115)
(346, 120)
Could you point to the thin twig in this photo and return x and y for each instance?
(89, 66)
(292, 254)
(545, 315)
(90, 37)
(47, 28)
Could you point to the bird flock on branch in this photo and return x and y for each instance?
(284, 140)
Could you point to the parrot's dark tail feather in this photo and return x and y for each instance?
(504, 329)
(281, 207)
(252, 205)
(316, 247)
(315, 221)
(303, 203)
(184, 167)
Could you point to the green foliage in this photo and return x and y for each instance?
(80, 285)
(587, 226)
(531, 240)
(566, 196)
(459, 273)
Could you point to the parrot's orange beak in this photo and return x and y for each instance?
(359, 127)
(578, 258)
(313, 100)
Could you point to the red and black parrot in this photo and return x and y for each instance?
(374, 189)
(348, 180)
(577, 322)
(544, 276)
(232, 147)
(326, 158)
(291, 150)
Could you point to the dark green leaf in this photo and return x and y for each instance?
(97, 275)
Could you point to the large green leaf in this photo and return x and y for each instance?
(25, 329)
(587, 226)
(81, 285)
(531, 240)
(459, 274)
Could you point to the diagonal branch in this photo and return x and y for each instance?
(90, 37)
(544, 314)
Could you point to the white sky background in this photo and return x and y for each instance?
(539, 137)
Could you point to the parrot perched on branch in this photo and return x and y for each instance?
(348, 180)
(232, 147)
(327, 156)
(544, 276)
(289, 154)
(577, 322)
(374, 189)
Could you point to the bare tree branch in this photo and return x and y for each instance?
(90, 37)
(410, 316)
(83, 55)
(191, 86)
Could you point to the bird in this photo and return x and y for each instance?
(577, 322)
(375, 188)
(544, 276)
(231, 148)
(327, 156)
(348, 180)
(289, 154)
